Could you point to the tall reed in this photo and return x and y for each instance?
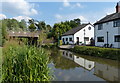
(23, 63)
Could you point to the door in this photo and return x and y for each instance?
(77, 41)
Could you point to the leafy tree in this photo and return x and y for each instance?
(22, 24)
(31, 21)
(48, 28)
(42, 37)
(63, 27)
(32, 27)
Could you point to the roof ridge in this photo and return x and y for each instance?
(74, 30)
(109, 17)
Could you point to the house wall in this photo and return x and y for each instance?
(88, 33)
(112, 31)
(84, 62)
(79, 60)
(68, 36)
(68, 55)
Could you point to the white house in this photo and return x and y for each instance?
(107, 30)
(79, 35)
(87, 64)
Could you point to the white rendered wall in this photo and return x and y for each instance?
(88, 33)
(112, 31)
(69, 36)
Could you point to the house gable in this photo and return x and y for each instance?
(74, 30)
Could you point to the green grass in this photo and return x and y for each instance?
(0, 63)
(23, 63)
(109, 53)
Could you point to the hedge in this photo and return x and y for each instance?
(109, 53)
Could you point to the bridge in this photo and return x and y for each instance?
(32, 36)
(23, 34)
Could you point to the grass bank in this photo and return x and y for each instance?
(109, 53)
(23, 63)
(50, 46)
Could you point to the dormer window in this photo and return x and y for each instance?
(100, 26)
(116, 23)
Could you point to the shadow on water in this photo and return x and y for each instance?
(69, 66)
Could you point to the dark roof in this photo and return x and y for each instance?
(108, 18)
(74, 30)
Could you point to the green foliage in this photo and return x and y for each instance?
(110, 53)
(42, 37)
(32, 27)
(50, 45)
(23, 25)
(60, 42)
(25, 64)
(60, 28)
(3, 33)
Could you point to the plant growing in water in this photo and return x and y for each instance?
(25, 64)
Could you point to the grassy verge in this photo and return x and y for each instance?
(23, 63)
(50, 46)
(0, 64)
(109, 53)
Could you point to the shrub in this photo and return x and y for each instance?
(23, 63)
(50, 45)
(61, 42)
(110, 53)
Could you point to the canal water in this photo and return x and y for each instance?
(69, 66)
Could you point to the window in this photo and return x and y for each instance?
(70, 39)
(66, 54)
(107, 23)
(100, 39)
(117, 38)
(66, 39)
(89, 28)
(100, 26)
(63, 52)
(70, 55)
(63, 39)
(86, 38)
(116, 23)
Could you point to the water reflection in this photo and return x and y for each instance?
(87, 64)
(74, 67)
(106, 72)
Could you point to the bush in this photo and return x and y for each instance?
(61, 42)
(50, 45)
(25, 64)
(110, 53)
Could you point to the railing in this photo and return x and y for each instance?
(23, 33)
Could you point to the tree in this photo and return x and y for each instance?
(31, 21)
(48, 28)
(63, 27)
(32, 27)
(77, 21)
(22, 24)
(42, 37)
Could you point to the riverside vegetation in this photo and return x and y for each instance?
(24, 63)
(109, 53)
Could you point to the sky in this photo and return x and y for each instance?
(54, 12)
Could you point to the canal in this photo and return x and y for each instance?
(69, 66)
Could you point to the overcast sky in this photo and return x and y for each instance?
(53, 12)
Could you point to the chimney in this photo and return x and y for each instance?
(118, 7)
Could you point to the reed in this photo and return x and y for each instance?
(25, 64)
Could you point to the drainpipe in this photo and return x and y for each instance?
(107, 38)
(84, 36)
